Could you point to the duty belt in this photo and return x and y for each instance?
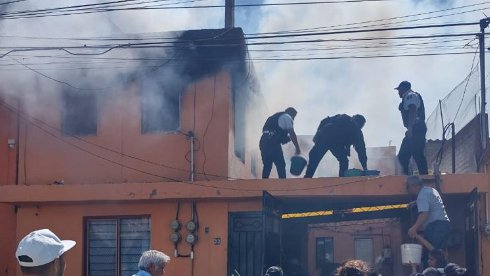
(268, 132)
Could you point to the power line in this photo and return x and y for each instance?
(323, 186)
(387, 19)
(106, 7)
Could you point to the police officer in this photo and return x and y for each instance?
(337, 134)
(413, 115)
(277, 130)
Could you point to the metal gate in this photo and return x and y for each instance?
(245, 246)
(271, 211)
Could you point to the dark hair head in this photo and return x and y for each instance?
(291, 111)
(413, 179)
(274, 271)
(359, 119)
(439, 256)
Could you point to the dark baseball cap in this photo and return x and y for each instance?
(404, 85)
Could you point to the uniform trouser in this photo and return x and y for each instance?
(437, 233)
(271, 152)
(319, 150)
(413, 146)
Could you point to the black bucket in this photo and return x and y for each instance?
(298, 164)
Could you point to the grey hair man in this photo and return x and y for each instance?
(432, 216)
(152, 263)
(41, 253)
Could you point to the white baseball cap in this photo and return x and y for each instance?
(41, 247)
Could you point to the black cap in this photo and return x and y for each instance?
(404, 86)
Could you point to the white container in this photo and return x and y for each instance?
(411, 253)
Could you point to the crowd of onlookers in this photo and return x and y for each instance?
(437, 262)
(41, 253)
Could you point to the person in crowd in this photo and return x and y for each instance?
(413, 115)
(42, 253)
(152, 263)
(432, 216)
(274, 271)
(277, 131)
(337, 134)
(453, 269)
(436, 261)
(354, 268)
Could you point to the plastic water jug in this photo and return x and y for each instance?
(298, 164)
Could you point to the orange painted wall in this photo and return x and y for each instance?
(50, 157)
(8, 130)
(210, 259)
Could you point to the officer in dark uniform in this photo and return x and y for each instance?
(278, 130)
(337, 134)
(413, 115)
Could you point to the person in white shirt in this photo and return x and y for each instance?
(413, 115)
(277, 130)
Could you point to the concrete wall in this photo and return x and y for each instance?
(8, 130)
(68, 223)
(48, 156)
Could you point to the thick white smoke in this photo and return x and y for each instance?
(364, 86)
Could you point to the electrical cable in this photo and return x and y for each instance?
(89, 8)
(323, 186)
(34, 121)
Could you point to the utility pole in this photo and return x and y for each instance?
(483, 120)
(229, 14)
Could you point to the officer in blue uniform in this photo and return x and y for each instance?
(413, 115)
(277, 131)
(337, 134)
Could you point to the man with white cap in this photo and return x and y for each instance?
(41, 253)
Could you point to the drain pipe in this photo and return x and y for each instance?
(192, 169)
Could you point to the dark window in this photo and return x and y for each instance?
(114, 245)
(324, 251)
(160, 107)
(79, 113)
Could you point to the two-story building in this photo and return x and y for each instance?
(169, 161)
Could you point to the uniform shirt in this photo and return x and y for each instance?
(429, 200)
(285, 122)
(411, 98)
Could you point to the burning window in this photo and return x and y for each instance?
(114, 245)
(79, 113)
(160, 107)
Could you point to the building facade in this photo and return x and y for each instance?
(170, 163)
